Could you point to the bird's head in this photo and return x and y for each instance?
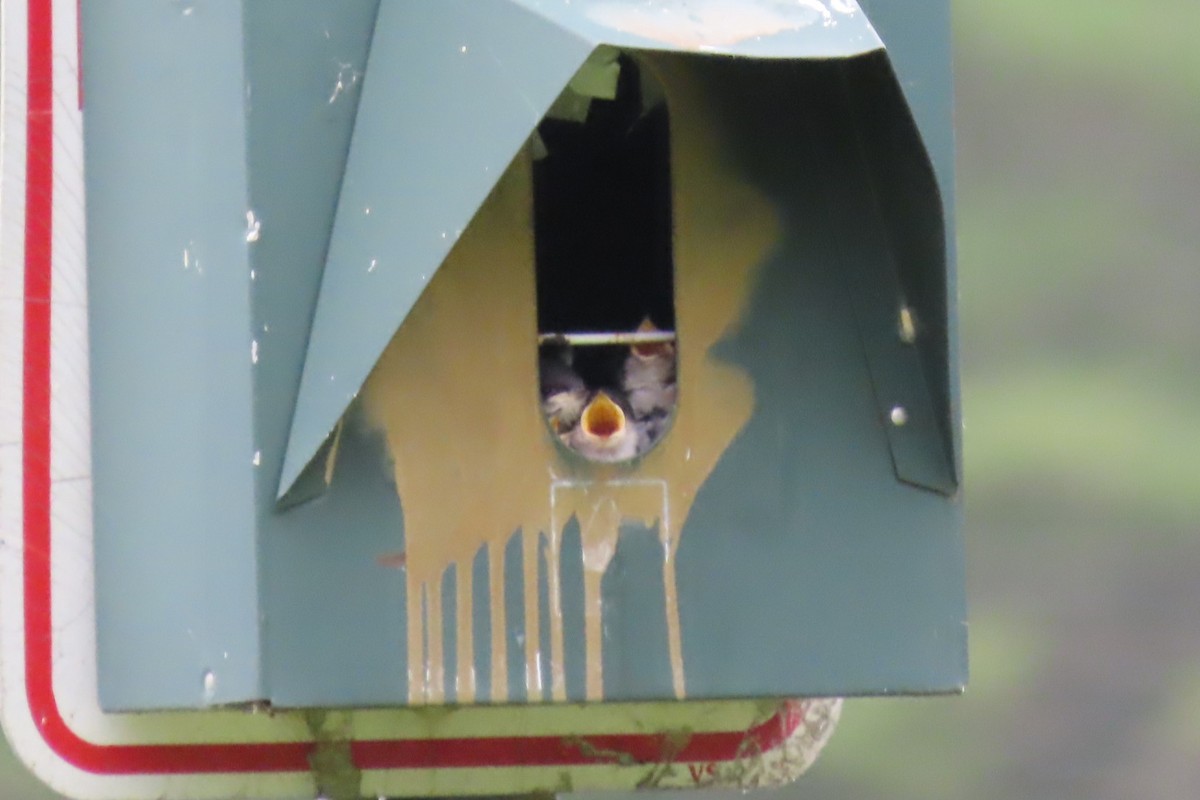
(602, 420)
(651, 350)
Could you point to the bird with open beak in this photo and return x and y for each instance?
(648, 380)
(605, 431)
(563, 391)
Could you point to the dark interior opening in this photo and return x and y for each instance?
(602, 222)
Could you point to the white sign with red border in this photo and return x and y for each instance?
(51, 712)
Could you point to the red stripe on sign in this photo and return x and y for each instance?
(163, 759)
(35, 423)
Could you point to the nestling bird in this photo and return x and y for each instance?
(605, 431)
(563, 391)
(648, 380)
(648, 377)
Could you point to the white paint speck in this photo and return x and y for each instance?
(253, 227)
(254, 351)
(257, 460)
(347, 78)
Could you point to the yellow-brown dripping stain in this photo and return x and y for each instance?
(456, 394)
(600, 506)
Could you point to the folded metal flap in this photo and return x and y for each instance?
(452, 91)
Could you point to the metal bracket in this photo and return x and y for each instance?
(891, 333)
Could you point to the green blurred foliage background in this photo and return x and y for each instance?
(1078, 129)
(1079, 268)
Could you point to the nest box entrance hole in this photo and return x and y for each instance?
(604, 260)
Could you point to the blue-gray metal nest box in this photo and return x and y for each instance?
(334, 249)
